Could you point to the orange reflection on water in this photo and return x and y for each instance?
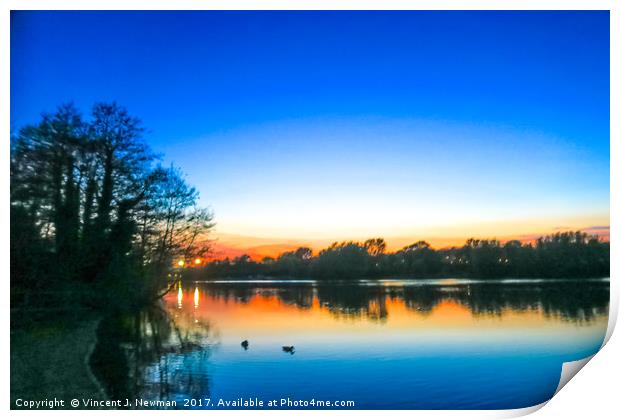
(180, 297)
(267, 314)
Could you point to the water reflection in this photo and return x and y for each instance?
(574, 301)
(148, 355)
(435, 344)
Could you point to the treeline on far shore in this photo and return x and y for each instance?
(560, 255)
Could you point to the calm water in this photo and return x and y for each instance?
(382, 344)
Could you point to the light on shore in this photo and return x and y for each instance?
(197, 261)
(181, 263)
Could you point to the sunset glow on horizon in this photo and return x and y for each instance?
(227, 245)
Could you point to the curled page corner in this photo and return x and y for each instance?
(570, 369)
(520, 412)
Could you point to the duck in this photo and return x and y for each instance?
(245, 344)
(288, 349)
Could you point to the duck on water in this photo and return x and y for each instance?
(287, 349)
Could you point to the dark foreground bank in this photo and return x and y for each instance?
(52, 363)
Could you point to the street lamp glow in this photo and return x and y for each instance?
(197, 261)
(181, 263)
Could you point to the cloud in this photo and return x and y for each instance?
(597, 228)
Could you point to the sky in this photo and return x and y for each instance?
(302, 128)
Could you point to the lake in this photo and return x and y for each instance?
(383, 344)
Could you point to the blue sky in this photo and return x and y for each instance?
(341, 124)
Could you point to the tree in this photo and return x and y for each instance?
(177, 224)
(343, 260)
(375, 246)
(89, 200)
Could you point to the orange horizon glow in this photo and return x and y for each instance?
(233, 245)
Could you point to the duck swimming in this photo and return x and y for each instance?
(288, 349)
(245, 344)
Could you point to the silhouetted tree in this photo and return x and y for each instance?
(89, 205)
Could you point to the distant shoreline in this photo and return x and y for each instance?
(562, 255)
(421, 280)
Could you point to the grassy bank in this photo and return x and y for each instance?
(51, 361)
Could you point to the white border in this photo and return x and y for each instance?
(593, 394)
